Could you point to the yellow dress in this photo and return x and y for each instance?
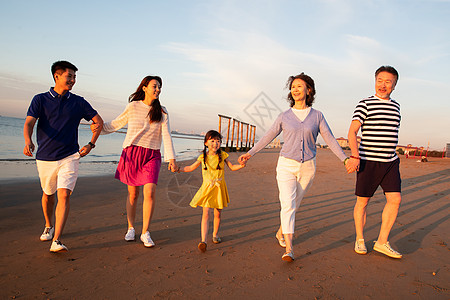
(213, 192)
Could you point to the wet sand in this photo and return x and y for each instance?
(100, 264)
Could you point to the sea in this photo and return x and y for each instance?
(100, 161)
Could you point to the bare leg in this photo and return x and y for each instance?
(280, 237)
(217, 216)
(205, 223)
(289, 238)
(280, 232)
(359, 215)
(62, 212)
(148, 206)
(133, 194)
(48, 204)
(389, 215)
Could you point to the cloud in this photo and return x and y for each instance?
(362, 41)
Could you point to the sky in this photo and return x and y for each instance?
(234, 57)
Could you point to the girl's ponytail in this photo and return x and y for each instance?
(219, 152)
(204, 158)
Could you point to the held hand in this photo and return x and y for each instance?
(95, 127)
(28, 149)
(173, 167)
(352, 165)
(85, 150)
(244, 158)
(347, 167)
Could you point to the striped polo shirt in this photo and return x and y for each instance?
(380, 122)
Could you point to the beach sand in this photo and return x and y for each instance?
(100, 264)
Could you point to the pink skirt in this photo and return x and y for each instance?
(139, 166)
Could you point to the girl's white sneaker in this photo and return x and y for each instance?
(131, 235)
(147, 240)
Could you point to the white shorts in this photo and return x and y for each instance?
(59, 174)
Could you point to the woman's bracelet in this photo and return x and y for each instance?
(355, 157)
(345, 160)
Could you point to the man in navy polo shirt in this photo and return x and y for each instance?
(59, 113)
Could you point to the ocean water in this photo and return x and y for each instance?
(100, 161)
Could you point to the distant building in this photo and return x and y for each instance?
(400, 147)
(344, 142)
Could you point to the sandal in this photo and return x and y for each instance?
(216, 240)
(202, 246)
(288, 256)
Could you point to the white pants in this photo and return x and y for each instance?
(294, 179)
(59, 174)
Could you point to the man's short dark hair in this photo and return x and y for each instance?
(388, 69)
(62, 65)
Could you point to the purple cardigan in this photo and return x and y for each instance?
(300, 137)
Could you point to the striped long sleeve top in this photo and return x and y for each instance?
(380, 123)
(140, 131)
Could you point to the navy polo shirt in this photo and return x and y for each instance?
(58, 120)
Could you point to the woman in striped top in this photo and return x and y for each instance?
(140, 162)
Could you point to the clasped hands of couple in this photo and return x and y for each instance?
(352, 164)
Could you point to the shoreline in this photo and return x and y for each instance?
(248, 262)
(15, 171)
(18, 170)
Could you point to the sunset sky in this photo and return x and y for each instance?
(218, 57)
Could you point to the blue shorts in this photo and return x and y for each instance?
(372, 174)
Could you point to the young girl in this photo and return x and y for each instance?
(213, 193)
(140, 162)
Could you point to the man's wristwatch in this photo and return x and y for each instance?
(92, 145)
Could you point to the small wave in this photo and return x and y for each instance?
(100, 162)
(17, 159)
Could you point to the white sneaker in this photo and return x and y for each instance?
(57, 246)
(131, 235)
(147, 240)
(386, 250)
(48, 233)
(360, 247)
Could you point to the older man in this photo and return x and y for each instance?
(376, 161)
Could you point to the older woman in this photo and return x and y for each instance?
(297, 162)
